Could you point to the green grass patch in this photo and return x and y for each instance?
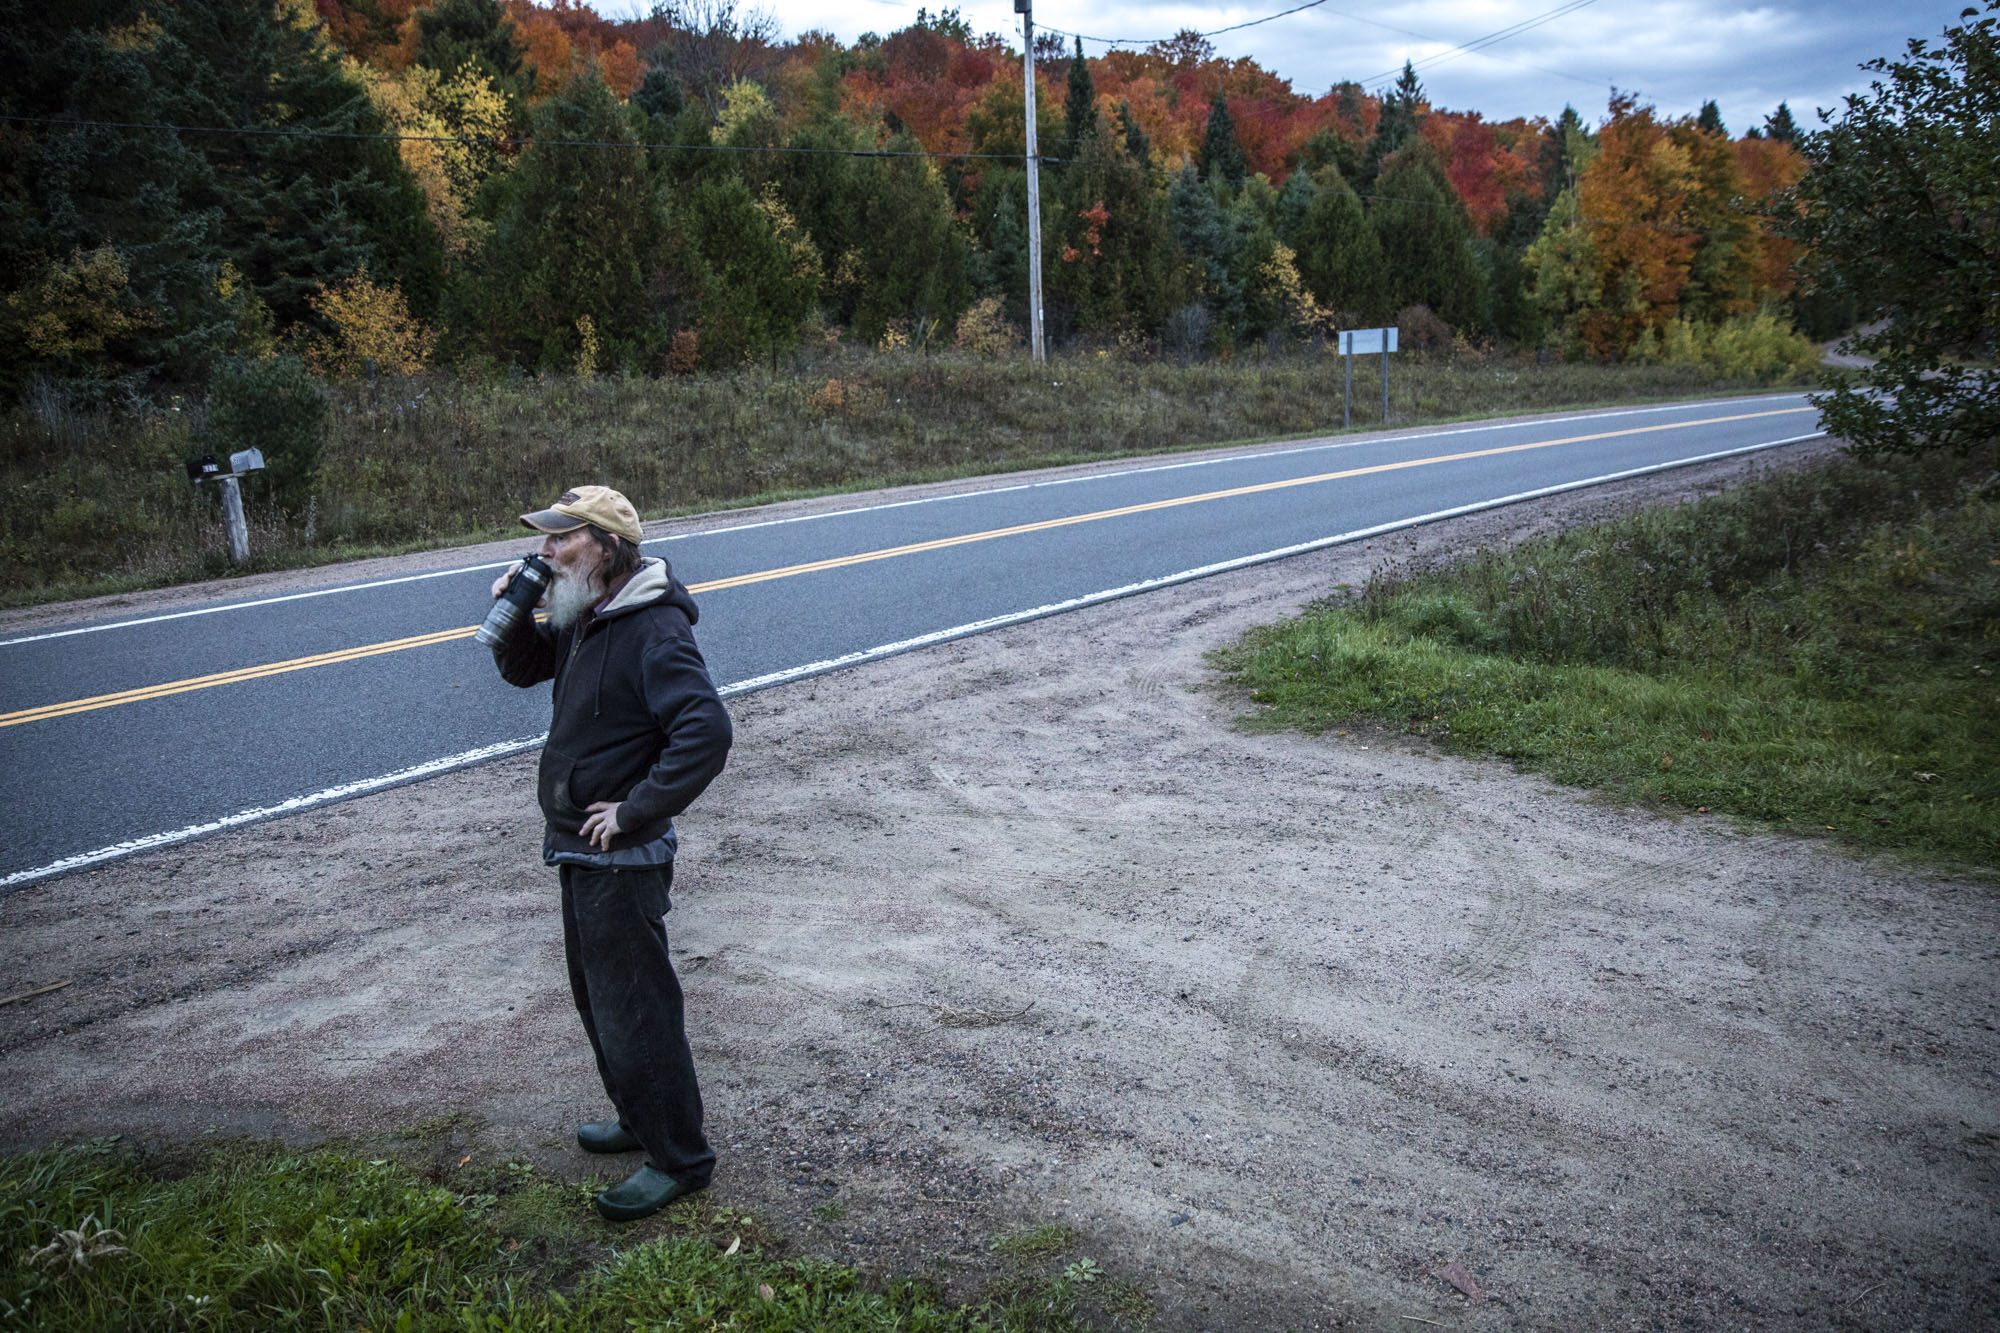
(1038, 1242)
(1816, 650)
(254, 1237)
(96, 502)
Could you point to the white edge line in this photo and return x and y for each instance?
(903, 504)
(435, 767)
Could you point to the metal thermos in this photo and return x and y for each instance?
(523, 591)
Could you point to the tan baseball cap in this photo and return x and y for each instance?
(599, 506)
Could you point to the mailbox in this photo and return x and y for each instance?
(246, 460)
(203, 468)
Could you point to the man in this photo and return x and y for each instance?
(638, 732)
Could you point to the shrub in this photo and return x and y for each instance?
(1760, 348)
(274, 405)
(369, 325)
(684, 352)
(983, 331)
(1418, 330)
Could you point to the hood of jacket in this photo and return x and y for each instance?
(652, 582)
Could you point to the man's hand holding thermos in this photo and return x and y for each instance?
(515, 595)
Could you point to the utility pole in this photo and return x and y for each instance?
(1025, 8)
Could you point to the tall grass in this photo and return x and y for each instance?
(94, 502)
(1818, 650)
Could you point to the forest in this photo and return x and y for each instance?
(379, 186)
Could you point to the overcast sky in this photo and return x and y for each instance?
(1674, 53)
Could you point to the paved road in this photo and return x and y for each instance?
(139, 732)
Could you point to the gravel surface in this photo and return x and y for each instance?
(1294, 1032)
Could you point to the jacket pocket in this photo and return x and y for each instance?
(552, 790)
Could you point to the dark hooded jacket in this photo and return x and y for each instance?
(636, 717)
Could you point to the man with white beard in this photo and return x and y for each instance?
(637, 733)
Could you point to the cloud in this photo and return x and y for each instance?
(1675, 54)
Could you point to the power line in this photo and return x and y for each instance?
(1491, 38)
(1155, 41)
(1427, 37)
(498, 141)
(1477, 44)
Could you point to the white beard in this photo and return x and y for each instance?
(574, 592)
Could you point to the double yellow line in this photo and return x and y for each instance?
(65, 709)
(237, 677)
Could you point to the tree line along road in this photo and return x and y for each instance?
(126, 734)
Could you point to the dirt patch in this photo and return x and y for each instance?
(1023, 928)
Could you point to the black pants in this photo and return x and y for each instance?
(630, 1000)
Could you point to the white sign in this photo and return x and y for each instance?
(1367, 342)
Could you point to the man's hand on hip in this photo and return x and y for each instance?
(602, 825)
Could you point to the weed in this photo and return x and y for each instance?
(439, 1130)
(1126, 1302)
(1039, 1242)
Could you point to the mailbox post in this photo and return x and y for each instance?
(1365, 342)
(206, 468)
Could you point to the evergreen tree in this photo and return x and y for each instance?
(453, 32)
(1395, 128)
(1780, 125)
(1080, 106)
(1350, 105)
(659, 93)
(1710, 120)
(1327, 149)
(1564, 274)
(913, 253)
(1409, 88)
(1263, 312)
(1720, 270)
(1513, 316)
(998, 264)
(575, 233)
(1137, 146)
(1426, 239)
(1556, 165)
(1339, 258)
(308, 208)
(1294, 201)
(737, 269)
(1212, 238)
(1221, 155)
(181, 249)
(1111, 265)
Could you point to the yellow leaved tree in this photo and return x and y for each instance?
(1301, 311)
(368, 322)
(456, 124)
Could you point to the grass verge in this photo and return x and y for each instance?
(97, 502)
(1816, 651)
(255, 1237)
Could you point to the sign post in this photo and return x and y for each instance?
(1365, 342)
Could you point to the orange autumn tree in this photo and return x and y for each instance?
(1770, 168)
(1663, 222)
(1624, 272)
